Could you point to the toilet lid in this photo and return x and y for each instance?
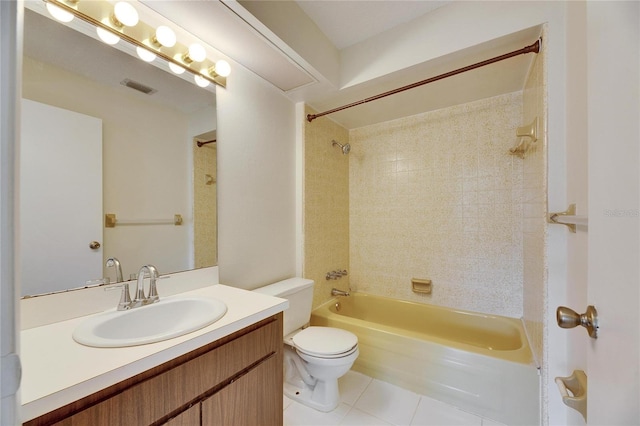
(323, 341)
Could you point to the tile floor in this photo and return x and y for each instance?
(371, 402)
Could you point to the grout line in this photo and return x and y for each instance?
(363, 391)
(415, 410)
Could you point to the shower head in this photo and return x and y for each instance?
(346, 148)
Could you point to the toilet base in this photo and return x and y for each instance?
(313, 381)
(324, 396)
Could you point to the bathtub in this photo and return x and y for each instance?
(479, 363)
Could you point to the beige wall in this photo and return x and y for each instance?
(256, 182)
(326, 206)
(438, 196)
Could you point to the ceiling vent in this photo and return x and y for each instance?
(138, 86)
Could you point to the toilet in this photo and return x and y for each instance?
(314, 357)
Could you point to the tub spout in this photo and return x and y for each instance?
(336, 292)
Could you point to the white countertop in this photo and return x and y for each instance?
(56, 370)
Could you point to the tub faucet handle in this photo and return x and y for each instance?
(334, 275)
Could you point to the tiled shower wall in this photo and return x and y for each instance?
(534, 214)
(326, 207)
(438, 196)
(205, 222)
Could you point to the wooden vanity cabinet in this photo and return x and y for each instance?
(247, 401)
(236, 380)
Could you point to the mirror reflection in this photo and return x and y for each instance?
(105, 133)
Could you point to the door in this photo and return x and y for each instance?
(10, 11)
(603, 179)
(60, 198)
(613, 77)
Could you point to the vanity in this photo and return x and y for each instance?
(229, 372)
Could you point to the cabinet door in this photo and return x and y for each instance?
(190, 417)
(255, 399)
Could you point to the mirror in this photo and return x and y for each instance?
(151, 165)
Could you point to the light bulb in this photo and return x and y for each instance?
(177, 69)
(222, 68)
(106, 36)
(201, 81)
(145, 55)
(165, 36)
(59, 13)
(125, 14)
(196, 53)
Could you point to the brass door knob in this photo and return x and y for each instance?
(94, 245)
(568, 318)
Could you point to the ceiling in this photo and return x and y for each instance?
(320, 52)
(346, 23)
(350, 28)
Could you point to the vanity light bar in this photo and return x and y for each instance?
(93, 12)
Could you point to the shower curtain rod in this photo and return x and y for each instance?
(204, 143)
(535, 48)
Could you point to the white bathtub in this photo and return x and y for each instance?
(479, 363)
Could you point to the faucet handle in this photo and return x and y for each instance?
(125, 296)
(153, 290)
(153, 293)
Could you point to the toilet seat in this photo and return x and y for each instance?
(325, 342)
(309, 356)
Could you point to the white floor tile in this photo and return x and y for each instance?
(301, 415)
(352, 385)
(388, 402)
(356, 417)
(370, 402)
(435, 413)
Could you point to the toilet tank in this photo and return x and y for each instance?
(299, 293)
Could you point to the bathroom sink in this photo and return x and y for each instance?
(166, 319)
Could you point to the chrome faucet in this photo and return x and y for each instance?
(125, 297)
(337, 292)
(113, 261)
(140, 298)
